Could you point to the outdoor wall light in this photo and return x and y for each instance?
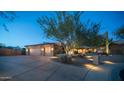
(42, 49)
(30, 50)
(52, 49)
(26, 49)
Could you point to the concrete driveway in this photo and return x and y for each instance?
(37, 68)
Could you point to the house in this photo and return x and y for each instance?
(117, 47)
(83, 50)
(45, 49)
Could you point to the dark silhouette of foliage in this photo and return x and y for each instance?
(6, 16)
(2, 45)
(23, 51)
(119, 33)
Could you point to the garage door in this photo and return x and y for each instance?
(48, 51)
(35, 51)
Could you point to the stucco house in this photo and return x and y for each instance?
(117, 47)
(52, 49)
(45, 49)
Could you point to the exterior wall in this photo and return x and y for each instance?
(43, 50)
(117, 49)
(113, 58)
(9, 52)
(58, 49)
(47, 50)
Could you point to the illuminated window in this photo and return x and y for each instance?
(80, 51)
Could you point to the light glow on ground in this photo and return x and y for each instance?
(89, 56)
(93, 67)
(54, 57)
(108, 62)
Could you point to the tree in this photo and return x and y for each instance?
(62, 27)
(119, 33)
(6, 16)
(67, 28)
(93, 39)
(91, 36)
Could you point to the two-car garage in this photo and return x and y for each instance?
(40, 49)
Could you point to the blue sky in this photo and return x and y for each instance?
(25, 30)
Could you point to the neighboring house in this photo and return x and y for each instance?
(117, 47)
(45, 49)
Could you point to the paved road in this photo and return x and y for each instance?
(31, 68)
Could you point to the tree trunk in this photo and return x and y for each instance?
(66, 58)
(107, 44)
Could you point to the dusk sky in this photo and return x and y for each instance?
(25, 30)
